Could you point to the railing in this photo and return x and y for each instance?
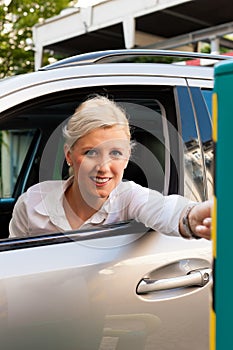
(123, 55)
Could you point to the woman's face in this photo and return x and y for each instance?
(99, 159)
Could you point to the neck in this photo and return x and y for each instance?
(78, 206)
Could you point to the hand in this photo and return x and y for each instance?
(200, 219)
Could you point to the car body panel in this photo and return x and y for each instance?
(71, 287)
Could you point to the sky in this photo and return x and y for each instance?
(86, 3)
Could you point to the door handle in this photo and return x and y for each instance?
(192, 279)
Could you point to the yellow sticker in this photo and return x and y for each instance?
(215, 116)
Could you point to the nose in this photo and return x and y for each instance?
(103, 164)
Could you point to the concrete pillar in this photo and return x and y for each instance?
(38, 57)
(215, 45)
(129, 32)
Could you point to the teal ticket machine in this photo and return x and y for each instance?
(222, 228)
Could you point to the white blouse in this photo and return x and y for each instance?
(40, 209)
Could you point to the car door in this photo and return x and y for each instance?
(117, 287)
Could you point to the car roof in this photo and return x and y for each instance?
(8, 86)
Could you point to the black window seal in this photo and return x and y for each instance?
(101, 231)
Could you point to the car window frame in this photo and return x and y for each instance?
(171, 82)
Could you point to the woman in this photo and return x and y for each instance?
(97, 149)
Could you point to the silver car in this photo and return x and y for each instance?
(121, 286)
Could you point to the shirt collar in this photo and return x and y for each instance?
(51, 205)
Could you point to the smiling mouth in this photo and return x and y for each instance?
(100, 180)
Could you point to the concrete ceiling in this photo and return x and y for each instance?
(211, 18)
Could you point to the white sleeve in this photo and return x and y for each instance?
(154, 210)
(18, 226)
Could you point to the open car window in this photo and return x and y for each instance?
(150, 111)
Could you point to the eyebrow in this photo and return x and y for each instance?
(99, 146)
(87, 147)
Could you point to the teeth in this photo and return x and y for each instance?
(100, 180)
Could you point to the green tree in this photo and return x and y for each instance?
(16, 21)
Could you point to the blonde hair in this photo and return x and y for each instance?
(95, 112)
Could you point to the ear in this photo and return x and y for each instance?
(67, 154)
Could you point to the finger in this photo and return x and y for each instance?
(203, 231)
(207, 222)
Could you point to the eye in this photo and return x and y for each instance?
(91, 152)
(116, 154)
